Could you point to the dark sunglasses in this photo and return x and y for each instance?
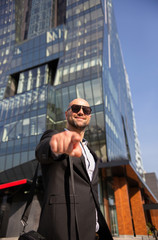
(76, 108)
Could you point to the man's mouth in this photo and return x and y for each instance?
(80, 118)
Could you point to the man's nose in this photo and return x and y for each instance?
(80, 111)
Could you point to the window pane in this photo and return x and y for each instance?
(24, 157)
(10, 147)
(72, 93)
(8, 161)
(41, 123)
(32, 143)
(25, 144)
(17, 146)
(88, 92)
(58, 102)
(26, 125)
(16, 159)
(65, 98)
(3, 148)
(19, 129)
(5, 133)
(79, 90)
(11, 133)
(97, 91)
(2, 161)
(33, 126)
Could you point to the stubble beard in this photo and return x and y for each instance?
(75, 125)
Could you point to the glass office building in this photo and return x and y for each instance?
(52, 51)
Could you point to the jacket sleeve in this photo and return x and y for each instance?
(43, 151)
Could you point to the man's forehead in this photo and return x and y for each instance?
(79, 101)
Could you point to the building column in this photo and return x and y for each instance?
(154, 217)
(105, 199)
(138, 211)
(123, 206)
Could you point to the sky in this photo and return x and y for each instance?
(137, 25)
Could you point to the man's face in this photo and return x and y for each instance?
(77, 120)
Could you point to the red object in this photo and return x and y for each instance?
(12, 184)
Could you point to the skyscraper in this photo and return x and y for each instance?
(52, 51)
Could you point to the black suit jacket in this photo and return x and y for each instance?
(57, 221)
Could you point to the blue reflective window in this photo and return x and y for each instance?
(97, 91)
(72, 93)
(26, 127)
(88, 92)
(33, 126)
(32, 143)
(25, 144)
(24, 157)
(17, 146)
(16, 159)
(10, 147)
(80, 90)
(9, 162)
(31, 155)
(65, 98)
(41, 123)
(2, 162)
(19, 133)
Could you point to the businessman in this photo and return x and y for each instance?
(67, 215)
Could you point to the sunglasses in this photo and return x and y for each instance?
(76, 108)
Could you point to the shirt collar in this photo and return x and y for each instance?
(84, 141)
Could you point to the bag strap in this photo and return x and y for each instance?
(73, 192)
(26, 212)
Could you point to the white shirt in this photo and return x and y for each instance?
(89, 159)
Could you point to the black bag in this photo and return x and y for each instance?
(31, 235)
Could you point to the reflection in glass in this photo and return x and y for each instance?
(16, 159)
(41, 123)
(58, 102)
(79, 90)
(17, 146)
(19, 129)
(25, 144)
(31, 155)
(10, 147)
(24, 157)
(88, 92)
(32, 143)
(65, 98)
(72, 93)
(26, 125)
(97, 91)
(9, 161)
(33, 126)
(42, 97)
(5, 133)
(22, 103)
(2, 162)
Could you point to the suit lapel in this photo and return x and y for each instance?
(80, 167)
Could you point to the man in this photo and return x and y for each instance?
(67, 215)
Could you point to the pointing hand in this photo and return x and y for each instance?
(66, 142)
